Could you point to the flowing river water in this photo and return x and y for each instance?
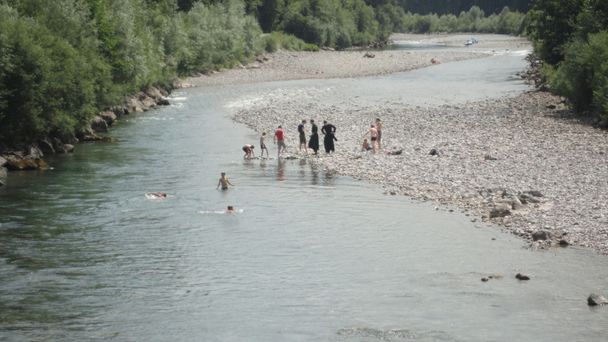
(310, 256)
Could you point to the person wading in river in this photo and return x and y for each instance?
(329, 130)
(248, 149)
(313, 142)
(223, 182)
(279, 139)
(302, 136)
(263, 145)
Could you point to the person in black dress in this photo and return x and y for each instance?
(329, 130)
(313, 142)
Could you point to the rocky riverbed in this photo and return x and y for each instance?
(524, 163)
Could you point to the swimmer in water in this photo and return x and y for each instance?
(156, 195)
(230, 209)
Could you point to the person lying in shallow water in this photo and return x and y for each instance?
(156, 195)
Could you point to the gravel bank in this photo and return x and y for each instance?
(287, 65)
(523, 163)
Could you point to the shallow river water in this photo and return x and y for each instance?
(310, 256)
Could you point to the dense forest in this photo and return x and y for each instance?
(456, 6)
(571, 37)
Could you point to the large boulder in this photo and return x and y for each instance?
(16, 163)
(68, 148)
(60, 147)
(154, 93)
(148, 103)
(133, 105)
(98, 124)
(595, 299)
(119, 110)
(34, 152)
(3, 175)
(3, 161)
(534, 193)
(158, 96)
(527, 198)
(500, 210)
(85, 134)
(108, 116)
(541, 235)
(46, 146)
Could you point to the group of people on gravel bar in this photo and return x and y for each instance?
(329, 132)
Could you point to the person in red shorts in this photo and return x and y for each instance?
(279, 140)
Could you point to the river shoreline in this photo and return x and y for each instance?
(298, 65)
(524, 163)
(31, 156)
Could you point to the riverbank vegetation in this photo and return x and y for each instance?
(571, 37)
(473, 20)
(62, 61)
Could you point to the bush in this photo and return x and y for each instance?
(280, 40)
(474, 20)
(583, 75)
(62, 61)
(48, 87)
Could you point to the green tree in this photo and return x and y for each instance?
(583, 75)
(47, 85)
(552, 26)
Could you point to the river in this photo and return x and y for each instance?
(309, 256)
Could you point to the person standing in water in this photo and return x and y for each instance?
(279, 139)
(379, 129)
(302, 136)
(263, 145)
(223, 182)
(329, 130)
(313, 142)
